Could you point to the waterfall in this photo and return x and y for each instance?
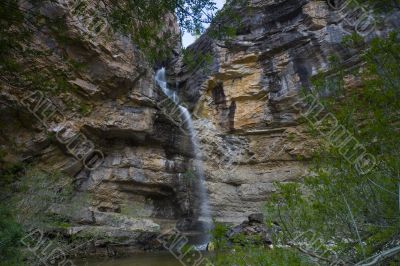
(205, 213)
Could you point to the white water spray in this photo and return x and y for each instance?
(205, 213)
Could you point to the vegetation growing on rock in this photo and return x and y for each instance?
(357, 213)
(256, 146)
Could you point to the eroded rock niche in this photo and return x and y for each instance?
(249, 132)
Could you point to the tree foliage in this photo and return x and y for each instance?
(10, 235)
(246, 250)
(146, 21)
(384, 5)
(353, 216)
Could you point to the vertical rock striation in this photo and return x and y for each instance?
(251, 133)
(108, 100)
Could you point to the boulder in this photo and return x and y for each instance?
(254, 230)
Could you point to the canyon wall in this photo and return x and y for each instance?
(249, 132)
(96, 91)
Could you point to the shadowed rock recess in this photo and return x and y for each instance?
(249, 133)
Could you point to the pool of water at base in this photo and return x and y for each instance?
(145, 259)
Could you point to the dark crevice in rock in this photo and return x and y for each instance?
(224, 113)
(332, 3)
(218, 95)
(303, 69)
(145, 189)
(231, 116)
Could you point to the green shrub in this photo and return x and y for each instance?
(10, 235)
(219, 236)
(244, 250)
(357, 213)
(246, 256)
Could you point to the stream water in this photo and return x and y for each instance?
(145, 259)
(165, 258)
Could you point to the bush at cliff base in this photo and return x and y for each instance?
(340, 211)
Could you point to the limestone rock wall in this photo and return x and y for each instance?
(110, 103)
(251, 134)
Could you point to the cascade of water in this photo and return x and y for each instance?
(205, 213)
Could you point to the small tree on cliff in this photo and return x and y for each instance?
(355, 216)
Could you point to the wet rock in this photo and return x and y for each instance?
(251, 134)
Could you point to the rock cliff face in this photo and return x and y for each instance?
(249, 132)
(110, 104)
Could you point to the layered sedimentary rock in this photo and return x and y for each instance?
(251, 133)
(108, 102)
(242, 103)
